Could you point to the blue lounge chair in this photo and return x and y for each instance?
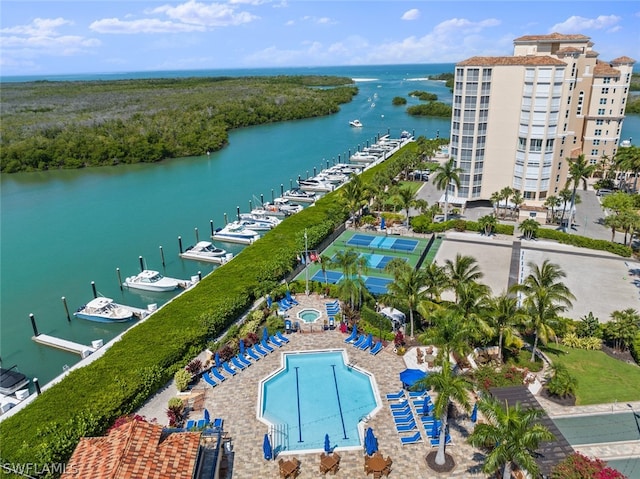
(287, 326)
(252, 354)
(376, 348)
(399, 405)
(332, 311)
(436, 442)
(361, 339)
(229, 369)
(236, 362)
(290, 298)
(209, 380)
(401, 412)
(217, 375)
(416, 394)
(218, 422)
(395, 396)
(411, 439)
(281, 337)
(275, 341)
(406, 419)
(367, 343)
(406, 427)
(201, 423)
(283, 305)
(244, 360)
(352, 337)
(266, 346)
(332, 322)
(190, 423)
(259, 350)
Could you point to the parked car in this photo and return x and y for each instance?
(603, 192)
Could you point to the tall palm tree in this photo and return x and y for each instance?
(628, 159)
(351, 286)
(449, 386)
(463, 269)
(512, 435)
(545, 296)
(449, 332)
(505, 194)
(517, 200)
(565, 196)
(406, 198)
(505, 316)
(406, 288)
(579, 171)
(495, 201)
(354, 196)
(443, 176)
(435, 280)
(552, 202)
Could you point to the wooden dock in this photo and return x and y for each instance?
(66, 345)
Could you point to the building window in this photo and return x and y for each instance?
(599, 122)
(529, 195)
(549, 146)
(535, 145)
(561, 153)
(603, 101)
(597, 132)
(596, 142)
(601, 111)
(557, 178)
(594, 152)
(605, 91)
(606, 80)
(522, 143)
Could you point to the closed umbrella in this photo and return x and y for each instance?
(217, 360)
(266, 448)
(241, 344)
(265, 334)
(207, 417)
(269, 301)
(425, 406)
(383, 224)
(327, 444)
(434, 429)
(474, 413)
(370, 442)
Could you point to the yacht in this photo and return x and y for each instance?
(280, 207)
(149, 280)
(104, 310)
(300, 195)
(11, 380)
(206, 251)
(355, 123)
(235, 232)
(261, 218)
(315, 184)
(360, 157)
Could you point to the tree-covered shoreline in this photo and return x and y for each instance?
(51, 125)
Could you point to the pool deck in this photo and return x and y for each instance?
(235, 400)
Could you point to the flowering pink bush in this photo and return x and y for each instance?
(578, 466)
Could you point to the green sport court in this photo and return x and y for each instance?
(378, 250)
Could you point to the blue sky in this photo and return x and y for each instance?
(84, 36)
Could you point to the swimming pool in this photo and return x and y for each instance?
(313, 394)
(598, 428)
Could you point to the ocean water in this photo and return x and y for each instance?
(61, 230)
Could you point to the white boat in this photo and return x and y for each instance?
(11, 380)
(355, 123)
(261, 218)
(360, 157)
(302, 196)
(149, 280)
(315, 184)
(333, 177)
(280, 207)
(104, 310)
(254, 223)
(236, 233)
(206, 251)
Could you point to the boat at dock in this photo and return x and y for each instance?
(281, 207)
(260, 220)
(235, 232)
(11, 380)
(149, 280)
(297, 194)
(208, 252)
(315, 184)
(360, 157)
(104, 310)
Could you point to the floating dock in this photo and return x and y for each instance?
(66, 345)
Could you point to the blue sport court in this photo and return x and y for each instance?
(377, 261)
(383, 242)
(374, 284)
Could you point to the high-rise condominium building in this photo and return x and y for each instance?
(517, 120)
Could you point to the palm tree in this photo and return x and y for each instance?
(353, 266)
(407, 286)
(487, 224)
(628, 159)
(529, 228)
(505, 316)
(517, 200)
(565, 197)
(579, 171)
(505, 194)
(354, 196)
(495, 201)
(449, 386)
(435, 280)
(444, 175)
(449, 332)
(545, 296)
(552, 202)
(463, 269)
(512, 435)
(406, 199)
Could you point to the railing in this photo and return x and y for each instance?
(279, 437)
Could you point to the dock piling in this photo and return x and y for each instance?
(250, 206)
(180, 243)
(197, 236)
(37, 386)
(226, 221)
(261, 200)
(272, 197)
(238, 212)
(33, 324)
(66, 308)
(93, 288)
(290, 183)
(211, 224)
(314, 171)
(119, 278)
(199, 275)
(162, 255)
(281, 189)
(141, 263)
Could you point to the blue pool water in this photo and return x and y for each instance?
(316, 394)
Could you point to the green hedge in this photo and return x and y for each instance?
(422, 224)
(635, 349)
(583, 242)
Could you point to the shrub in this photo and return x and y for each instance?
(176, 403)
(194, 367)
(583, 242)
(398, 340)
(182, 378)
(578, 466)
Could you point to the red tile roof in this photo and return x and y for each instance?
(603, 69)
(507, 61)
(619, 60)
(135, 449)
(552, 37)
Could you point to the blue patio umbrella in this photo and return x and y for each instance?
(207, 418)
(266, 448)
(410, 376)
(474, 413)
(370, 442)
(217, 360)
(383, 224)
(241, 344)
(425, 406)
(269, 301)
(327, 444)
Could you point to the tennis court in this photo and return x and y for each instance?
(378, 250)
(383, 242)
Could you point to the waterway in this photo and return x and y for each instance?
(61, 230)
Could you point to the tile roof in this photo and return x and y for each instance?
(514, 60)
(604, 69)
(619, 60)
(592, 54)
(552, 37)
(569, 50)
(135, 449)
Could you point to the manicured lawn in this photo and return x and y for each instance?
(601, 379)
(414, 186)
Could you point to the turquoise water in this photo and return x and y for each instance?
(599, 428)
(313, 402)
(60, 230)
(309, 315)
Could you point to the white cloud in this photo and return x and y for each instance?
(209, 15)
(149, 25)
(576, 24)
(412, 14)
(39, 27)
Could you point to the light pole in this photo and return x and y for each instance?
(306, 263)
